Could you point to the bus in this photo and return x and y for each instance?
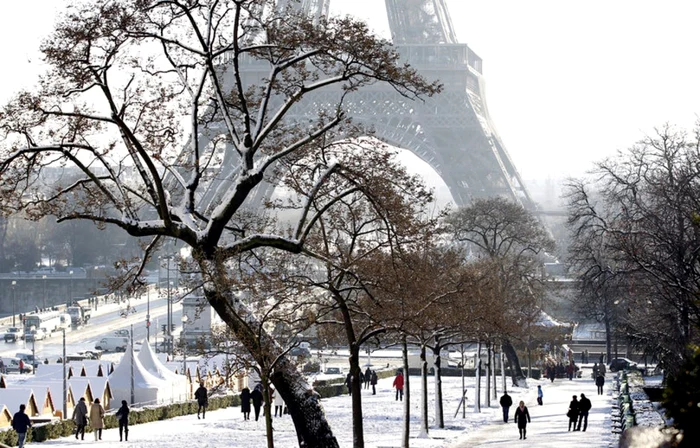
(48, 321)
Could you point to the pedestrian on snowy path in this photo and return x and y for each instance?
(348, 383)
(245, 403)
(573, 412)
(584, 405)
(398, 384)
(202, 400)
(600, 382)
(374, 382)
(279, 403)
(539, 395)
(97, 419)
(21, 423)
(257, 397)
(123, 416)
(368, 378)
(522, 418)
(506, 402)
(80, 415)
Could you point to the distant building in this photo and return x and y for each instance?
(201, 318)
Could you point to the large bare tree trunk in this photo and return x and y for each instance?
(489, 360)
(405, 437)
(304, 406)
(515, 369)
(267, 409)
(358, 439)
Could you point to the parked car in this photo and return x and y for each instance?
(622, 364)
(123, 333)
(112, 344)
(300, 352)
(333, 371)
(14, 334)
(12, 365)
(28, 358)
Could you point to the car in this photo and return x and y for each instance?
(122, 332)
(14, 334)
(333, 371)
(35, 335)
(28, 358)
(300, 352)
(622, 364)
(11, 365)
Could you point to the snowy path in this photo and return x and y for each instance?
(549, 422)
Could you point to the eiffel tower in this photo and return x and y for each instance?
(452, 132)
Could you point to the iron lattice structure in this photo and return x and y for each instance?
(452, 132)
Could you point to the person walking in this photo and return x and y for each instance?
(123, 416)
(595, 370)
(584, 405)
(573, 412)
(348, 382)
(202, 400)
(368, 378)
(97, 418)
(20, 423)
(539, 395)
(374, 382)
(279, 403)
(245, 403)
(257, 398)
(601, 369)
(600, 382)
(522, 418)
(80, 414)
(570, 371)
(506, 402)
(398, 384)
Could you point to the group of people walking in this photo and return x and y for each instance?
(522, 415)
(578, 412)
(368, 378)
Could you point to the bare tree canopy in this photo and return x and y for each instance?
(175, 113)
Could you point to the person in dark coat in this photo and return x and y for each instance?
(20, 423)
(522, 418)
(584, 405)
(123, 416)
(368, 378)
(202, 400)
(540, 395)
(600, 382)
(245, 403)
(573, 412)
(398, 384)
(374, 380)
(257, 398)
(506, 402)
(80, 414)
(348, 382)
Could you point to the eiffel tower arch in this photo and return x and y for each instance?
(452, 132)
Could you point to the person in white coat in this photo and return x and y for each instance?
(279, 403)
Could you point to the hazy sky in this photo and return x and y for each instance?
(568, 82)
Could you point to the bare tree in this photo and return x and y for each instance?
(513, 238)
(131, 82)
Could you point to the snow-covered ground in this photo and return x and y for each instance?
(382, 420)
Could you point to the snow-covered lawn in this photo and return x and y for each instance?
(382, 420)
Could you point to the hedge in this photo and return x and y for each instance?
(65, 428)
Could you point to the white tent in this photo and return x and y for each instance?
(148, 389)
(178, 384)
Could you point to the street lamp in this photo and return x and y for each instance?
(148, 313)
(70, 299)
(184, 344)
(14, 282)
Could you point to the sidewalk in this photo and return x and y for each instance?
(549, 422)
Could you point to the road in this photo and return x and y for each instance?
(104, 322)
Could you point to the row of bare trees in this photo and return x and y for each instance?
(636, 244)
(178, 114)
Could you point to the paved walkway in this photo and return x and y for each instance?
(549, 422)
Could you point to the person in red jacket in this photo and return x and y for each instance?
(398, 384)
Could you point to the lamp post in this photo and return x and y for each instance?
(184, 347)
(44, 277)
(70, 299)
(148, 313)
(14, 282)
(168, 330)
(65, 377)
